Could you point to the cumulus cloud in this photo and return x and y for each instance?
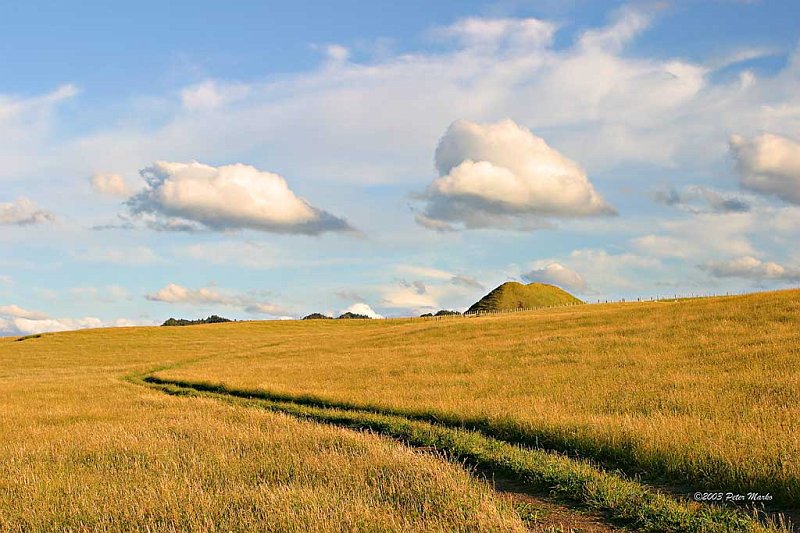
(769, 164)
(698, 199)
(557, 274)
(23, 212)
(174, 293)
(15, 320)
(496, 175)
(185, 195)
(251, 303)
(362, 308)
(110, 184)
(749, 267)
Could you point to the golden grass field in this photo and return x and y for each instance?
(695, 394)
(705, 392)
(81, 449)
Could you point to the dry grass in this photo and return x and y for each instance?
(83, 450)
(705, 392)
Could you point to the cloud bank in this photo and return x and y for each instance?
(211, 296)
(15, 320)
(110, 184)
(557, 274)
(362, 308)
(748, 267)
(183, 196)
(23, 212)
(769, 164)
(502, 175)
(699, 199)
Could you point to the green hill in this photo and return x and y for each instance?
(513, 295)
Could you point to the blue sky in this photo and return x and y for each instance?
(275, 159)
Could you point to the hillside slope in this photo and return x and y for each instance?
(703, 392)
(513, 295)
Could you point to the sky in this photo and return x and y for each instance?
(273, 159)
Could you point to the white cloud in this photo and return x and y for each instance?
(27, 125)
(490, 174)
(110, 184)
(258, 255)
(605, 272)
(425, 272)
(439, 274)
(749, 267)
(227, 197)
(702, 236)
(599, 101)
(174, 293)
(557, 274)
(769, 164)
(410, 296)
(15, 320)
(210, 95)
(132, 256)
(362, 308)
(594, 98)
(264, 308)
(108, 294)
(337, 53)
(699, 199)
(663, 246)
(439, 290)
(495, 33)
(23, 212)
(30, 327)
(210, 296)
(15, 311)
(628, 24)
(466, 281)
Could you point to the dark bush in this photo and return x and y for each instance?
(317, 316)
(213, 319)
(353, 315)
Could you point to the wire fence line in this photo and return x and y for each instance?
(600, 301)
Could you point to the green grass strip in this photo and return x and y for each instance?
(621, 457)
(579, 481)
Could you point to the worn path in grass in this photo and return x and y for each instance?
(525, 474)
(699, 394)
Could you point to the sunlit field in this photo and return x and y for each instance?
(700, 394)
(84, 449)
(662, 399)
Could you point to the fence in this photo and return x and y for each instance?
(651, 299)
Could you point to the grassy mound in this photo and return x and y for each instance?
(513, 295)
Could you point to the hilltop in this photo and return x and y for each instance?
(514, 295)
